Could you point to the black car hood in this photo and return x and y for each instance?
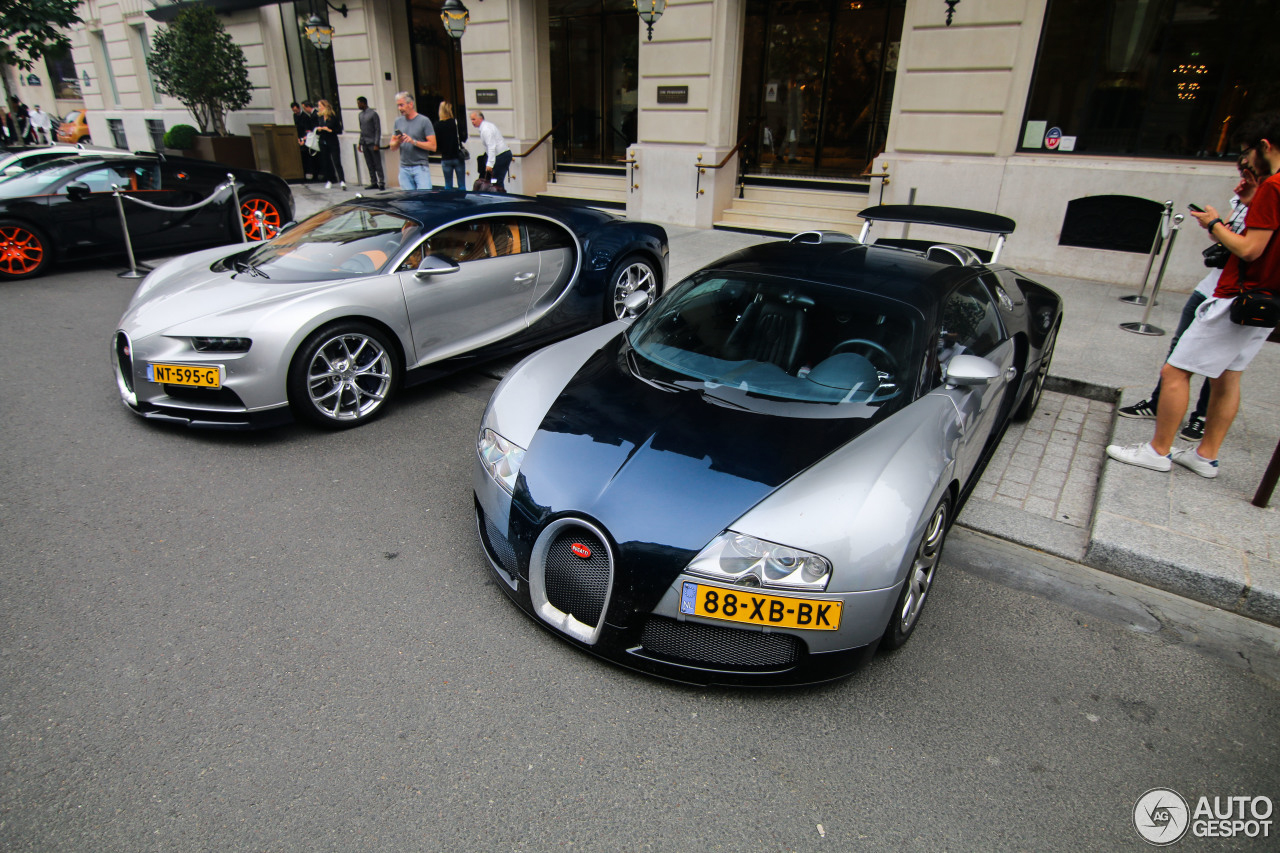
(663, 471)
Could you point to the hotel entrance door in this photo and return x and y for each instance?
(595, 54)
(817, 84)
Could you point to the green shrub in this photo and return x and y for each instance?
(181, 137)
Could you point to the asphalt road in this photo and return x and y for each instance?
(290, 641)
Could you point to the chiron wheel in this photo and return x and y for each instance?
(632, 275)
(344, 375)
(24, 251)
(924, 567)
(1029, 403)
(251, 205)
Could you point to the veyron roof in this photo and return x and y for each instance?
(900, 274)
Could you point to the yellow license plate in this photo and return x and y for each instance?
(185, 374)
(754, 608)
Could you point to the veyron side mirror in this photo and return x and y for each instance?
(970, 370)
(435, 265)
(78, 190)
(635, 303)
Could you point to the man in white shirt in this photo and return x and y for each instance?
(41, 125)
(496, 150)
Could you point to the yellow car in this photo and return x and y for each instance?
(75, 127)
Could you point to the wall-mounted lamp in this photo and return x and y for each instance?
(455, 17)
(650, 11)
(317, 30)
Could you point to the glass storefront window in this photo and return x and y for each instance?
(1152, 78)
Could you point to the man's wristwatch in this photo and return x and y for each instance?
(1212, 223)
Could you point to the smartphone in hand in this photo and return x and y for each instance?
(1197, 208)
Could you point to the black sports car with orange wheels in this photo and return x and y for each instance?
(65, 209)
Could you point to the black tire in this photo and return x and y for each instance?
(25, 251)
(343, 375)
(1029, 402)
(633, 273)
(919, 579)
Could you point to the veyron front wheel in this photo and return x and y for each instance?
(343, 376)
(633, 275)
(924, 567)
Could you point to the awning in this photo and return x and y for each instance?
(167, 10)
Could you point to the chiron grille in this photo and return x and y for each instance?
(578, 584)
(695, 642)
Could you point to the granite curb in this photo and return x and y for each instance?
(1125, 537)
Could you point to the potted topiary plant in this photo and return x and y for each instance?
(181, 139)
(196, 61)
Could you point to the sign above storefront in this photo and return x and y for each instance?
(673, 94)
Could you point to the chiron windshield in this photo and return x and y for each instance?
(341, 242)
(742, 337)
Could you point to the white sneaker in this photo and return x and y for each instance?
(1141, 455)
(328, 185)
(1189, 457)
(342, 185)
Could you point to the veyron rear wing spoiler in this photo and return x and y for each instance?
(947, 217)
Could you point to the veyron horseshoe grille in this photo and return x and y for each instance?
(571, 577)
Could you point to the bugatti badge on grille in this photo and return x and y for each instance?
(581, 550)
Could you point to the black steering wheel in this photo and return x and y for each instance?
(853, 344)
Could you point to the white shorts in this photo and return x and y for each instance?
(1212, 343)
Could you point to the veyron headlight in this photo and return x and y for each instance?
(741, 559)
(501, 458)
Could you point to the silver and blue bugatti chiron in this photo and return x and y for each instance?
(752, 483)
(329, 319)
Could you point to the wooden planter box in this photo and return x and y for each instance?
(236, 151)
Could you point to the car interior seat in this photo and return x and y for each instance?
(769, 332)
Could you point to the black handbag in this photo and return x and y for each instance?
(1256, 308)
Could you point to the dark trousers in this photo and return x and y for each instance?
(331, 160)
(373, 159)
(501, 165)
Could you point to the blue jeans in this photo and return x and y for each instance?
(454, 167)
(415, 177)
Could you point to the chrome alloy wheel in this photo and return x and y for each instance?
(635, 275)
(923, 569)
(349, 377)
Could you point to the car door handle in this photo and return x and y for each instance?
(524, 276)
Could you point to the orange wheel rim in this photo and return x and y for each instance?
(270, 218)
(20, 251)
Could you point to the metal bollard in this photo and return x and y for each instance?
(1139, 299)
(1143, 328)
(235, 196)
(135, 269)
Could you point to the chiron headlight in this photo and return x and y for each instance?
(740, 559)
(500, 457)
(221, 344)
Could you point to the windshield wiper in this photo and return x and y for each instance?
(245, 266)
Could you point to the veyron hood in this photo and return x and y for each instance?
(662, 469)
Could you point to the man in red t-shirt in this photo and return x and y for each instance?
(1212, 345)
